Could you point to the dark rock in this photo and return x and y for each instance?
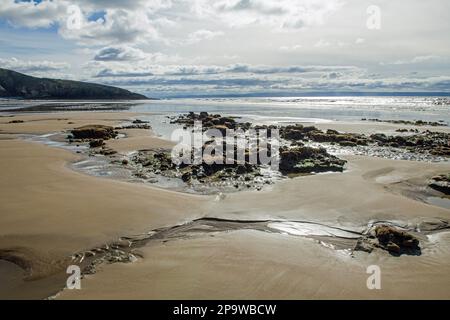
(389, 238)
(396, 241)
(94, 132)
(186, 176)
(107, 151)
(138, 121)
(407, 122)
(299, 132)
(346, 143)
(308, 160)
(96, 143)
(135, 126)
(441, 183)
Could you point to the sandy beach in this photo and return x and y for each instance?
(262, 154)
(49, 212)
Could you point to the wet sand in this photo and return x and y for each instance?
(50, 212)
(257, 265)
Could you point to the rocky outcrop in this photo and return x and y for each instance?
(435, 143)
(209, 121)
(160, 162)
(344, 139)
(413, 123)
(441, 183)
(427, 142)
(308, 160)
(300, 132)
(97, 132)
(136, 124)
(96, 143)
(389, 238)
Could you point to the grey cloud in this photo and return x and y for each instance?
(125, 74)
(119, 53)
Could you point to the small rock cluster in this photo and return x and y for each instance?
(299, 159)
(308, 160)
(389, 238)
(310, 133)
(95, 135)
(413, 123)
(160, 162)
(111, 256)
(136, 124)
(435, 143)
(94, 131)
(427, 142)
(441, 183)
(209, 121)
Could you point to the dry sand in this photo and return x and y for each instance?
(48, 212)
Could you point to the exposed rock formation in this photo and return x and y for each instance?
(89, 132)
(441, 183)
(308, 160)
(389, 238)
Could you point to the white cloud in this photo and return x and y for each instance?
(117, 26)
(282, 14)
(415, 60)
(291, 48)
(203, 34)
(322, 44)
(30, 14)
(33, 67)
(142, 20)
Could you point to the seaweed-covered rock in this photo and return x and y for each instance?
(96, 143)
(389, 238)
(299, 132)
(308, 160)
(407, 122)
(344, 139)
(396, 241)
(435, 143)
(94, 132)
(209, 121)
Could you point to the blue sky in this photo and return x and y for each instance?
(175, 47)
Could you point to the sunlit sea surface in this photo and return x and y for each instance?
(291, 109)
